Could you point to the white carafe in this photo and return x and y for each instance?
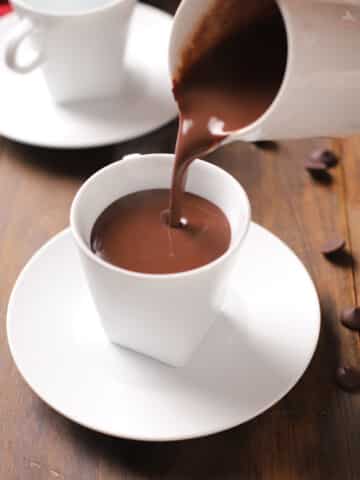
(320, 91)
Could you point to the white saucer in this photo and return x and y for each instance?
(249, 360)
(28, 115)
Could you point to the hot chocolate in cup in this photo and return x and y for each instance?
(164, 316)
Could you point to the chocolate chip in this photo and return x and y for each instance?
(266, 145)
(315, 167)
(333, 247)
(318, 172)
(348, 378)
(350, 318)
(324, 156)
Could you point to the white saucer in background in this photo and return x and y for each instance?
(249, 360)
(28, 114)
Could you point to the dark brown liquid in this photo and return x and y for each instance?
(230, 82)
(133, 233)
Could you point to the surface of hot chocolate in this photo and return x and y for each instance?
(133, 233)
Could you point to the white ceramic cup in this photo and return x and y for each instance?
(320, 92)
(79, 44)
(163, 316)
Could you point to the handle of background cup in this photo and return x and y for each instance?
(22, 30)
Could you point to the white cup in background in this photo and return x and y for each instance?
(79, 44)
(163, 316)
(320, 92)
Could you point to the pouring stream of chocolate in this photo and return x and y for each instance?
(229, 86)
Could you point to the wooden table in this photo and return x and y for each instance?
(314, 433)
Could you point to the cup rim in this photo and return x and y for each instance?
(156, 276)
(77, 13)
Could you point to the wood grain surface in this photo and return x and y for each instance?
(313, 433)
